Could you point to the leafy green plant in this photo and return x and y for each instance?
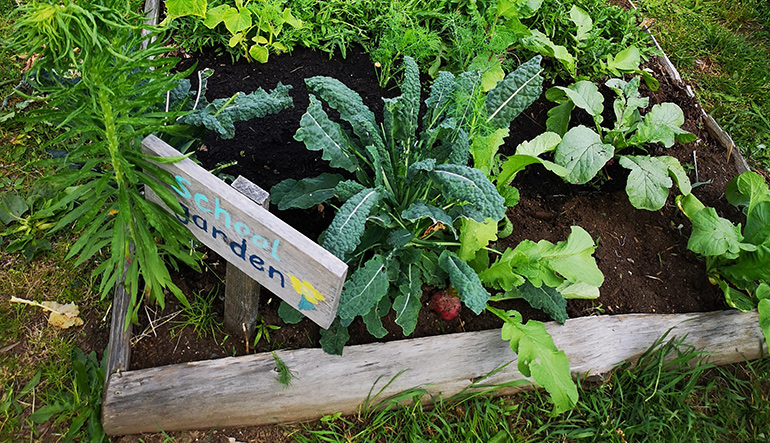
(263, 331)
(411, 192)
(737, 260)
(201, 315)
(82, 403)
(106, 92)
(416, 213)
(580, 153)
(254, 26)
(589, 38)
(26, 222)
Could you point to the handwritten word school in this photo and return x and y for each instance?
(239, 247)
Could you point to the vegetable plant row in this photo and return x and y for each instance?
(422, 193)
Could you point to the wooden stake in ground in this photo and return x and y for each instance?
(241, 291)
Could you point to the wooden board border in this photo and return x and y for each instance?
(244, 391)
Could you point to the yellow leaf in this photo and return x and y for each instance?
(63, 316)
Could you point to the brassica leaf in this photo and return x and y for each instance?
(465, 280)
(304, 193)
(221, 114)
(345, 231)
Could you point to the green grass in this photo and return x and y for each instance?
(662, 398)
(722, 48)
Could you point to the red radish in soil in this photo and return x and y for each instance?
(445, 304)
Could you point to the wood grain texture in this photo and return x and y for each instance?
(241, 391)
(256, 241)
(119, 346)
(241, 291)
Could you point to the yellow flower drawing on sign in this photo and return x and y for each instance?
(310, 295)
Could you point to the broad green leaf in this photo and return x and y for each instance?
(583, 21)
(627, 60)
(540, 43)
(12, 206)
(559, 117)
(350, 107)
(475, 236)
(345, 231)
(540, 359)
(181, 8)
(586, 96)
(689, 205)
(757, 230)
(572, 258)
(514, 94)
(511, 9)
(545, 142)
(221, 114)
(583, 154)
(465, 280)
(440, 94)
(214, 16)
(512, 166)
(399, 238)
(319, 133)
(484, 149)
(752, 266)
(407, 304)
(579, 290)
(735, 299)
(676, 171)
(333, 339)
(628, 103)
(363, 290)
(511, 197)
(748, 189)
(259, 53)
(237, 20)
(492, 75)
(648, 183)
(304, 193)
(547, 299)
(663, 125)
(471, 186)
(501, 275)
(288, 314)
(713, 235)
(287, 17)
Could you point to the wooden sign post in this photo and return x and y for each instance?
(293, 267)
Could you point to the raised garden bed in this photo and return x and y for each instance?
(642, 254)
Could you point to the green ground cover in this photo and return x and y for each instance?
(722, 49)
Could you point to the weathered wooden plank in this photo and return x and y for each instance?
(241, 291)
(242, 391)
(119, 346)
(290, 265)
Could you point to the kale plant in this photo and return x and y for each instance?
(398, 222)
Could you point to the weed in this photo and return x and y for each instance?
(200, 315)
(263, 331)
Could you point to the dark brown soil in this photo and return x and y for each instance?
(642, 254)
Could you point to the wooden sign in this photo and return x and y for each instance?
(293, 267)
